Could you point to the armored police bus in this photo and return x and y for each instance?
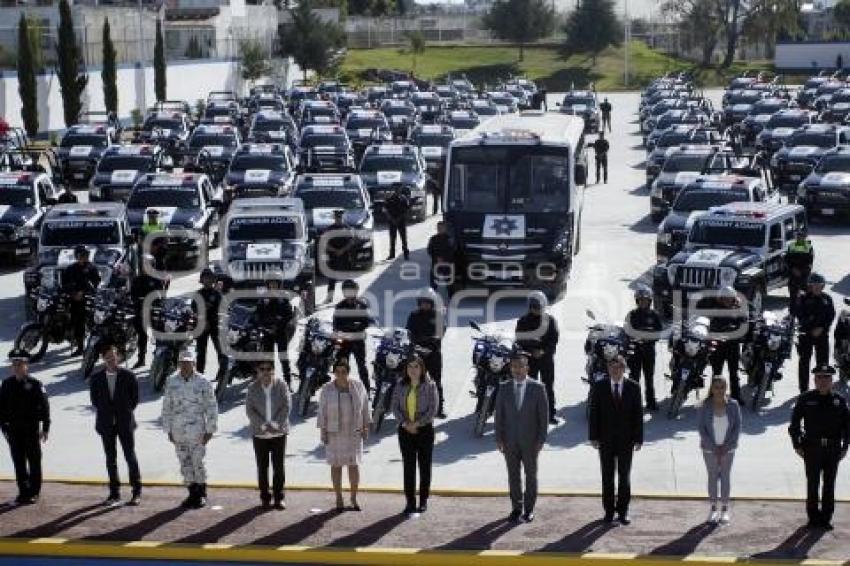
(513, 200)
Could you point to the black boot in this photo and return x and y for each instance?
(201, 500)
(190, 500)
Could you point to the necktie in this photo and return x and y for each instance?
(617, 397)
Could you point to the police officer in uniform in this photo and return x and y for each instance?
(396, 208)
(351, 318)
(151, 223)
(600, 150)
(820, 433)
(190, 418)
(644, 326)
(79, 279)
(276, 315)
(143, 285)
(25, 423)
(537, 334)
(337, 248)
(605, 109)
(815, 314)
(726, 328)
(799, 259)
(212, 301)
(426, 325)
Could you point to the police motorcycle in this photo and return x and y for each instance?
(173, 315)
(52, 322)
(319, 348)
(764, 354)
(393, 351)
(111, 320)
(690, 349)
(604, 342)
(243, 335)
(842, 349)
(491, 356)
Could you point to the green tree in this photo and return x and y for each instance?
(71, 67)
(312, 42)
(109, 73)
(520, 21)
(381, 8)
(254, 64)
(841, 14)
(700, 24)
(416, 45)
(159, 86)
(592, 27)
(27, 86)
(359, 7)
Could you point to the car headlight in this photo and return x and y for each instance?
(609, 351)
(692, 347)
(393, 360)
(496, 363)
(774, 342)
(42, 304)
(728, 276)
(233, 336)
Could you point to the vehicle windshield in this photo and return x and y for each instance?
(742, 98)
(375, 163)
(727, 233)
(203, 140)
(17, 195)
(834, 163)
(163, 124)
(432, 140)
(703, 199)
(671, 139)
(71, 140)
(780, 121)
(464, 123)
(503, 99)
(357, 123)
(270, 162)
(269, 126)
(124, 163)
(509, 179)
(811, 139)
(264, 228)
(767, 108)
(573, 100)
(484, 110)
(323, 140)
(144, 196)
(69, 233)
(216, 111)
(398, 111)
(680, 163)
(347, 198)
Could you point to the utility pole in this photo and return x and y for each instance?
(141, 62)
(626, 38)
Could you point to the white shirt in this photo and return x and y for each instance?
(721, 425)
(111, 378)
(519, 391)
(267, 391)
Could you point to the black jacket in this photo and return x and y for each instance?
(78, 277)
(601, 147)
(615, 426)
(544, 331)
(815, 311)
(728, 324)
(351, 316)
(142, 285)
(275, 313)
(212, 301)
(817, 416)
(643, 321)
(396, 207)
(23, 404)
(423, 329)
(440, 247)
(115, 411)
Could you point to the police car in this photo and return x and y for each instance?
(780, 126)
(365, 127)
(298, 94)
(672, 138)
(760, 114)
(186, 202)
(266, 101)
(401, 115)
(384, 166)
(702, 194)
(433, 143)
(825, 92)
(317, 112)
(583, 103)
(807, 94)
(685, 116)
(375, 94)
(653, 113)
(429, 106)
(24, 198)
(221, 96)
(269, 126)
(266, 238)
(522, 97)
(101, 227)
(402, 89)
(221, 112)
(325, 149)
(484, 108)
(803, 149)
(448, 95)
(214, 146)
(741, 244)
(120, 167)
(826, 191)
(345, 101)
(838, 108)
(464, 87)
(260, 170)
(682, 165)
(322, 194)
(462, 121)
(165, 126)
(504, 101)
(738, 103)
(331, 87)
(79, 151)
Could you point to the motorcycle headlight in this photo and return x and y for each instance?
(496, 363)
(317, 345)
(99, 316)
(233, 336)
(42, 304)
(691, 347)
(774, 341)
(610, 351)
(48, 278)
(393, 360)
(171, 325)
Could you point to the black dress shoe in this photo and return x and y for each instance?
(280, 504)
(609, 518)
(515, 515)
(528, 517)
(409, 510)
(113, 500)
(135, 500)
(624, 519)
(422, 507)
(827, 526)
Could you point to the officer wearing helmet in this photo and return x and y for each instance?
(727, 329)
(143, 285)
(799, 259)
(350, 320)
(79, 279)
(212, 296)
(337, 248)
(275, 313)
(426, 326)
(643, 326)
(815, 313)
(537, 333)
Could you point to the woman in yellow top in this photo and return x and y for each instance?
(415, 404)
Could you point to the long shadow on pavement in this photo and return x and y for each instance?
(481, 538)
(138, 531)
(687, 543)
(65, 522)
(797, 545)
(297, 532)
(370, 534)
(224, 527)
(581, 539)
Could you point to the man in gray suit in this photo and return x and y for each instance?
(522, 420)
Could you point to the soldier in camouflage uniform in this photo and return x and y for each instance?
(189, 417)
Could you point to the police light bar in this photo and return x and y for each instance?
(743, 213)
(391, 149)
(83, 212)
(335, 181)
(432, 129)
(262, 148)
(13, 178)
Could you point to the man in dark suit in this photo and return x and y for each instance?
(615, 429)
(114, 395)
(522, 420)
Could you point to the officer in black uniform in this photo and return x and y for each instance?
(537, 334)
(644, 327)
(396, 208)
(79, 279)
(25, 423)
(212, 301)
(441, 250)
(726, 329)
(276, 315)
(820, 433)
(600, 150)
(351, 318)
(337, 248)
(143, 285)
(815, 314)
(799, 259)
(605, 108)
(426, 325)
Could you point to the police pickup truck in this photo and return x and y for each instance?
(741, 244)
(188, 205)
(675, 137)
(780, 126)
(166, 127)
(682, 165)
(759, 115)
(802, 150)
(266, 238)
(322, 194)
(365, 127)
(260, 169)
(212, 145)
(269, 126)
(401, 115)
(462, 121)
(385, 166)
(317, 112)
(24, 199)
(433, 142)
(738, 103)
(325, 149)
(701, 194)
(826, 191)
(121, 166)
(80, 150)
(583, 103)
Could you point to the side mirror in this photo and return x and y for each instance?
(590, 314)
(580, 174)
(474, 325)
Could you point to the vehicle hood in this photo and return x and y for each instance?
(63, 257)
(123, 177)
(389, 178)
(17, 215)
(321, 218)
(256, 177)
(170, 216)
(715, 258)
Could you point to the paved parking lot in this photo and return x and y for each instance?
(617, 251)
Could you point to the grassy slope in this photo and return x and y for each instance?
(543, 64)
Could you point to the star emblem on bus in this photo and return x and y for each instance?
(504, 226)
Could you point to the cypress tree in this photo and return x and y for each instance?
(159, 64)
(109, 73)
(71, 69)
(27, 86)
